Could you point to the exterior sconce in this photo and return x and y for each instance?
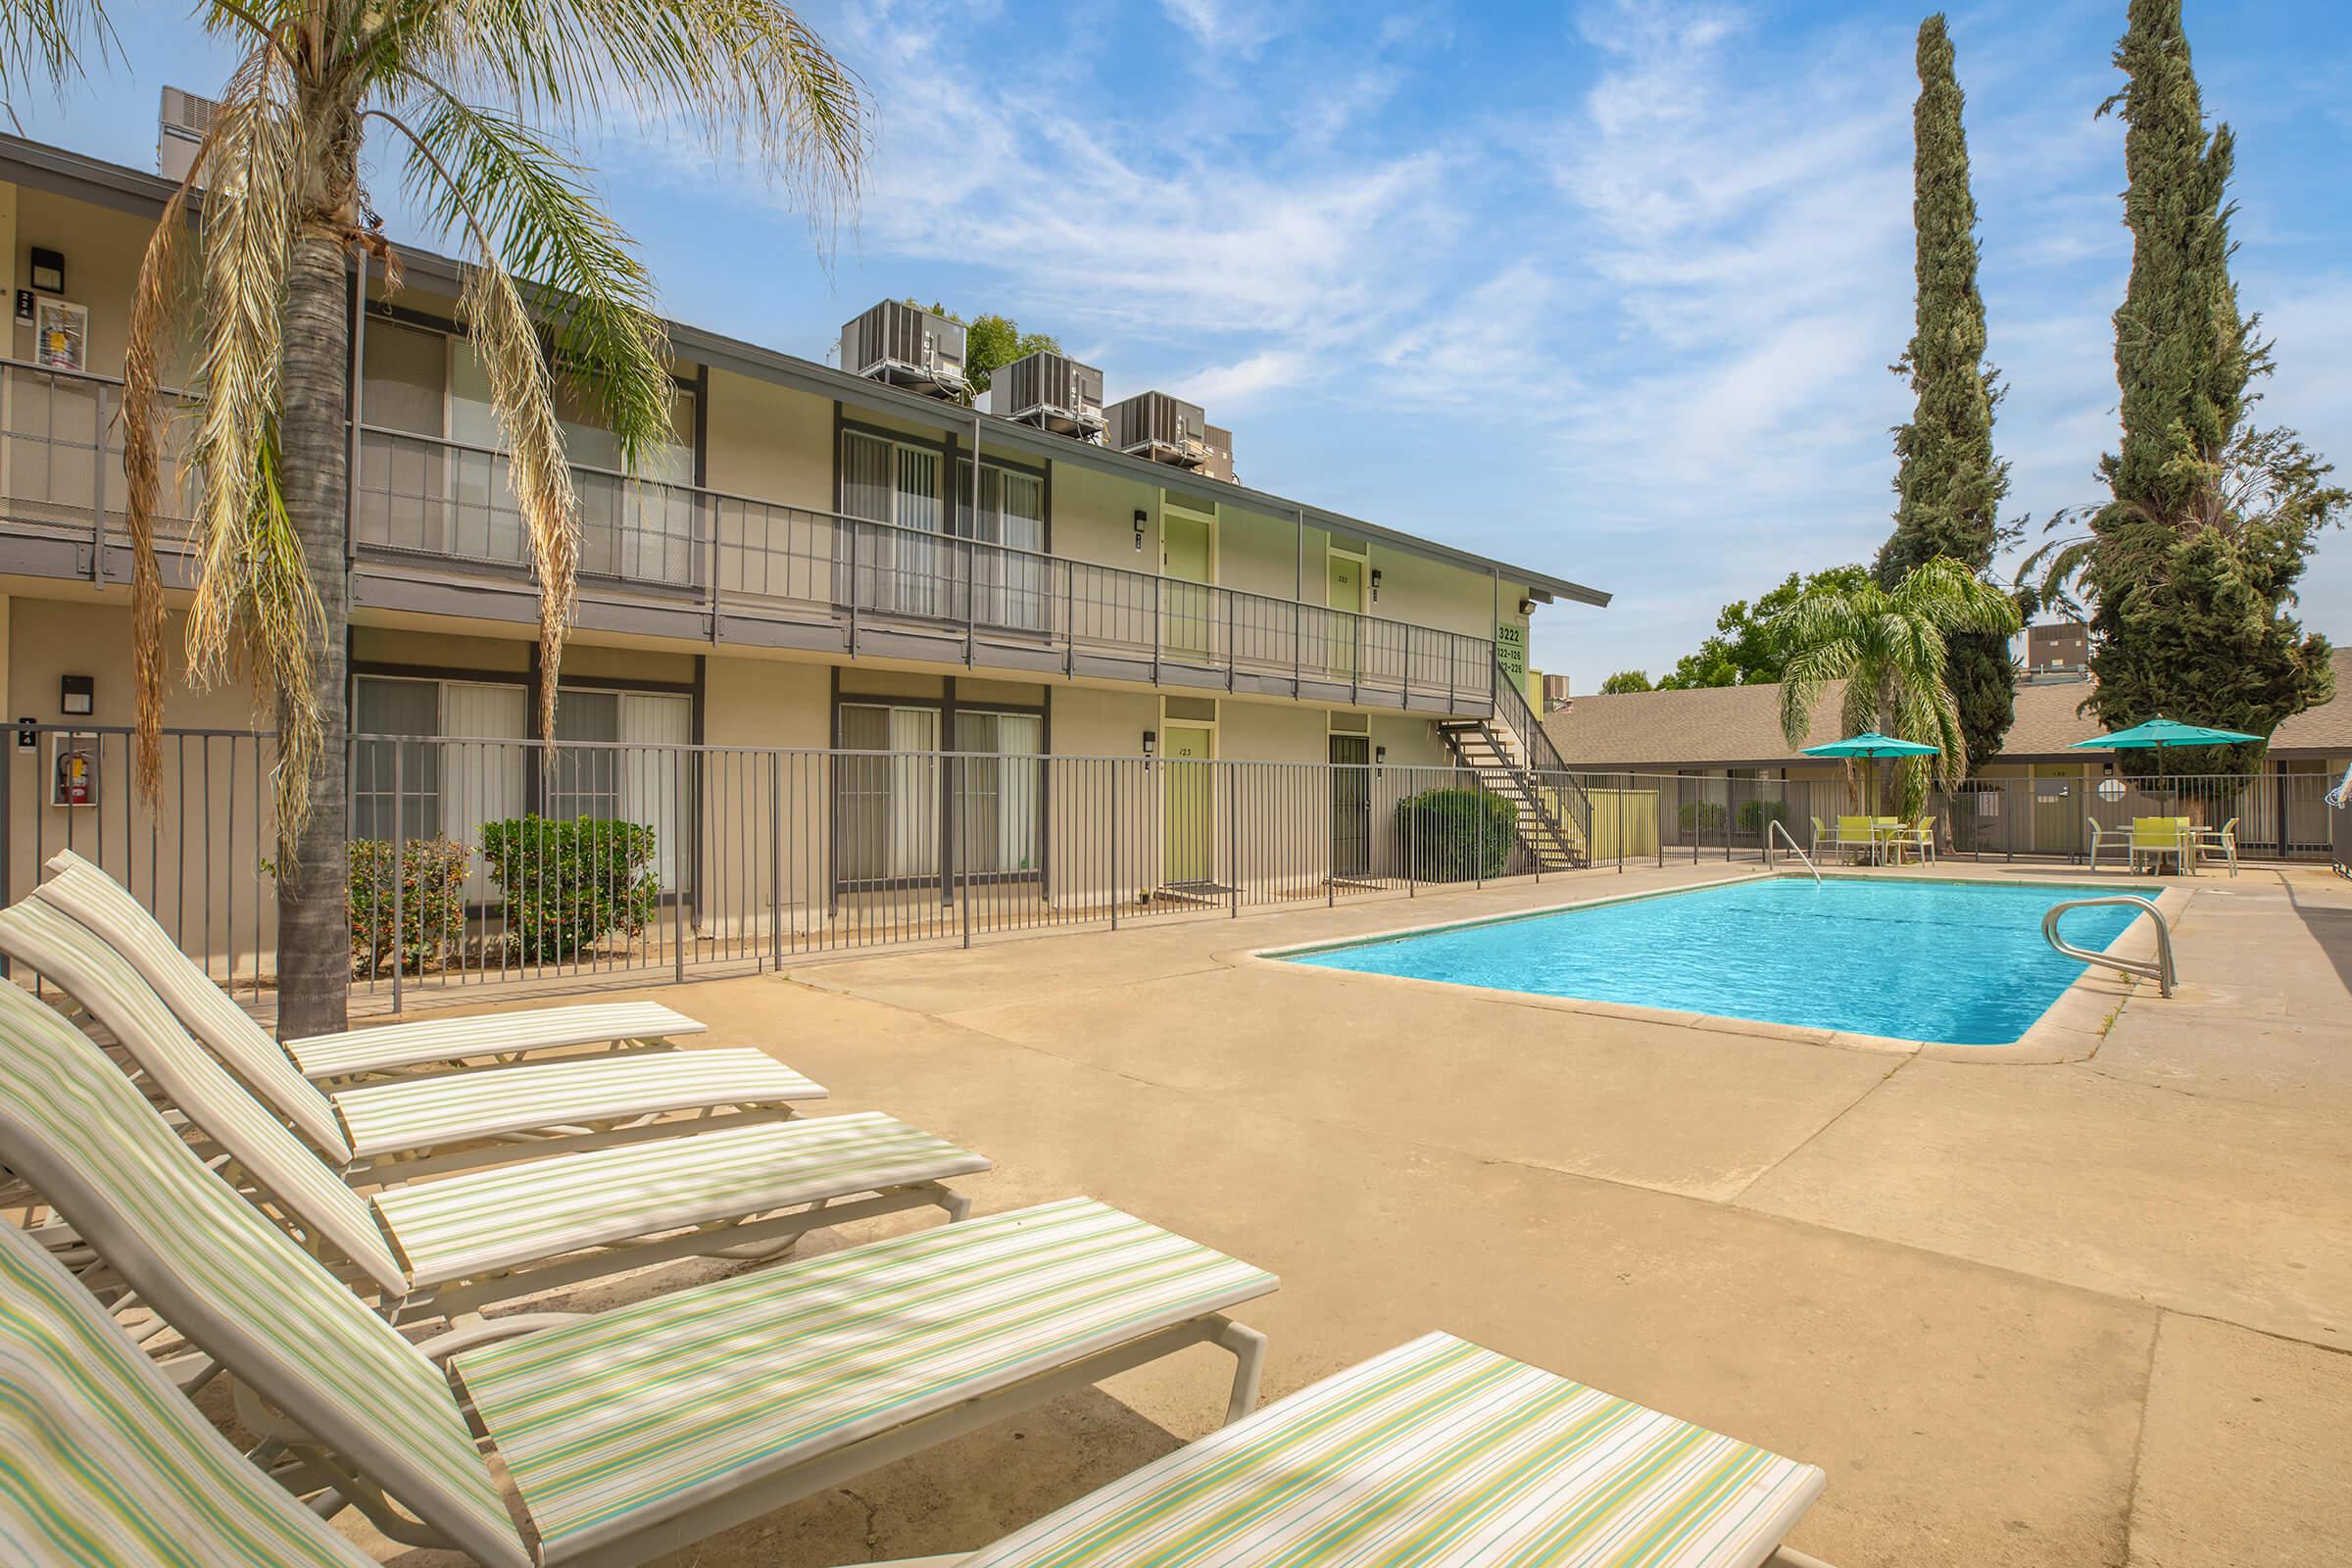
(1141, 517)
(47, 272)
(1151, 743)
(1380, 759)
(1527, 606)
(1376, 585)
(76, 695)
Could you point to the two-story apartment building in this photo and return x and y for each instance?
(817, 561)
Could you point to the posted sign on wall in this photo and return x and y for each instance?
(1510, 651)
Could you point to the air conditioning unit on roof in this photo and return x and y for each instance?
(905, 345)
(1050, 391)
(1160, 427)
(1219, 462)
(180, 128)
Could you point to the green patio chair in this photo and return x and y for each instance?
(1856, 835)
(2153, 838)
(635, 1431)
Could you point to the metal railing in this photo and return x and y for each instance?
(1780, 830)
(2159, 968)
(2281, 814)
(60, 460)
(483, 862)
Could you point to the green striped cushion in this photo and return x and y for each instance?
(101, 903)
(479, 1222)
(355, 1052)
(612, 1424)
(1441, 1454)
(105, 1465)
(74, 1128)
(45, 938)
(419, 1112)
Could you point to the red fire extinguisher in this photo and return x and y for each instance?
(76, 778)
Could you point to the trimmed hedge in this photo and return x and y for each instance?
(432, 904)
(1754, 815)
(1455, 835)
(569, 885)
(1703, 816)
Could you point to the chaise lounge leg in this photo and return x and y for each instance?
(1248, 1347)
(958, 1205)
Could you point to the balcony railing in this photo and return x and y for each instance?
(748, 570)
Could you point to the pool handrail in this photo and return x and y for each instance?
(2158, 969)
(1781, 828)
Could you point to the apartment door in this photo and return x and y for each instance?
(1191, 802)
(1351, 806)
(1345, 592)
(1187, 561)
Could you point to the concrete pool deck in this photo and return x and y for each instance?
(2095, 1311)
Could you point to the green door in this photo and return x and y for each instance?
(1191, 802)
(1186, 619)
(1345, 591)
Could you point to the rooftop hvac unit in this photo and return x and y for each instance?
(1157, 426)
(1219, 462)
(1052, 391)
(905, 345)
(180, 128)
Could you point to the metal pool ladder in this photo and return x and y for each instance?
(2158, 969)
(1781, 828)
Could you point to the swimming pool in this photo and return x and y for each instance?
(1954, 962)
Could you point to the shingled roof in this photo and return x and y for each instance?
(1739, 726)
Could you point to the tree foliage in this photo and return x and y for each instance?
(1887, 645)
(2190, 567)
(1748, 648)
(1949, 482)
(1626, 680)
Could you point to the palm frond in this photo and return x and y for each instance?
(154, 312)
(42, 41)
(526, 207)
(745, 75)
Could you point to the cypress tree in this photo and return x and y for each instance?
(2193, 562)
(1948, 485)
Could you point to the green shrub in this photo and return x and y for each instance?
(431, 904)
(1703, 816)
(567, 885)
(1454, 835)
(1754, 815)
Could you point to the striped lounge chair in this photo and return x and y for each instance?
(413, 1126)
(446, 1247)
(636, 1431)
(1437, 1455)
(102, 903)
(1438, 1452)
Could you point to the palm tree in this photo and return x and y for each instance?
(478, 100)
(1887, 645)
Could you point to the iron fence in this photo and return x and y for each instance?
(483, 862)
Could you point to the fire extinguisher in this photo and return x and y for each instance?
(76, 780)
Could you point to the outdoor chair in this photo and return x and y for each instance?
(446, 1247)
(1856, 835)
(106, 906)
(417, 1125)
(1342, 1473)
(634, 1432)
(2226, 840)
(1916, 838)
(2153, 838)
(2099, 837)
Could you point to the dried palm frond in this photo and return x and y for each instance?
(153, 310)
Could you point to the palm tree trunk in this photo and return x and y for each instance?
(313, 941)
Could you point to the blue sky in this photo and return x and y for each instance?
(1606, 288)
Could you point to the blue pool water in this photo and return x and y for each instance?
(1960, 962)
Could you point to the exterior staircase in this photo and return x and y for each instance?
(1511, 757)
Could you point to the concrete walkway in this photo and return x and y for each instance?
(2093, 1313)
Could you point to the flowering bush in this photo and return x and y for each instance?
(430, 904)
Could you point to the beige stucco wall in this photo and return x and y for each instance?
(102, 249)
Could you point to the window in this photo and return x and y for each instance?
(1010, 585)
(1002, 804)
(890, 803)
(895, 484)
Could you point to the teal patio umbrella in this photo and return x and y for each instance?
(2161, 734)
(1870, 745)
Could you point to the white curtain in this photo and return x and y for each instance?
(1021, 737)
(481, 766)
(914, 792)
(653, 726)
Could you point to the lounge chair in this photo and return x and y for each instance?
(448, 1248)
(415, 1126)
(107, 907)
(2153, 838)
(637, 1430)
(1359, 1467)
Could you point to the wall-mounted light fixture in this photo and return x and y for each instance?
(48, 271)
(1527, 606)
(1380, 757)
(1150, 742)
(1141, 518)
(1376, 585)
(76, 695)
